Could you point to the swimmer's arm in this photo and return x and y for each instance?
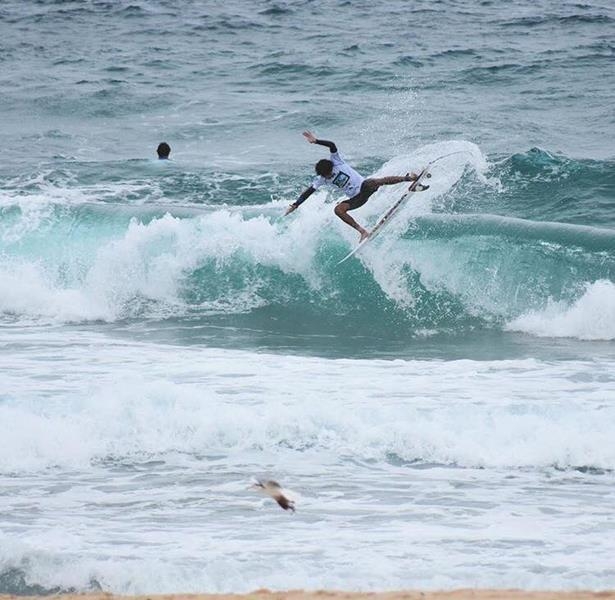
(304, 196)
(310, 137)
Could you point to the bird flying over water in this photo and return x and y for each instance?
(274, 490)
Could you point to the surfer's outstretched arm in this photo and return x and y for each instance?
(310, 137)
(304, 196)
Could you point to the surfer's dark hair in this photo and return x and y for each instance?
(324, 167)
(163, 150)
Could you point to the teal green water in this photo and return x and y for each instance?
(149, 244)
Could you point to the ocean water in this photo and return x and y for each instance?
(442, 405)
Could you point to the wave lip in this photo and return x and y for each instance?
(591, 317)
(565, 234)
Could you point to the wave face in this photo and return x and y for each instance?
(472, 253)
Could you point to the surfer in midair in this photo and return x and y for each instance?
(335, 172)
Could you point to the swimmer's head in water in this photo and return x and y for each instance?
(163, 150)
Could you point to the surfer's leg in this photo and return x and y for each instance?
(341, 210)
(392, 179)
(368, 187)
(395, 179)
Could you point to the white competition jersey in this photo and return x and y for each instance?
(344, 177)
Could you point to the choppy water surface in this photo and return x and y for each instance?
(446, 398)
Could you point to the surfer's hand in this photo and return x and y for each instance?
(290, 209)
(309, 136)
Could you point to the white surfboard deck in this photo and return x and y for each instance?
(386, 217)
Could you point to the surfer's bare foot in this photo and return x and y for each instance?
(364, 234)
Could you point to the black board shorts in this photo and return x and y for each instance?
(368, 187)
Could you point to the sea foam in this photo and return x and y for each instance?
(590, 317)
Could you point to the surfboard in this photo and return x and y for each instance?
(377, 228)
(387, 216)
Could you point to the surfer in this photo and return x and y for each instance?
(163, 151)
(334, 171)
